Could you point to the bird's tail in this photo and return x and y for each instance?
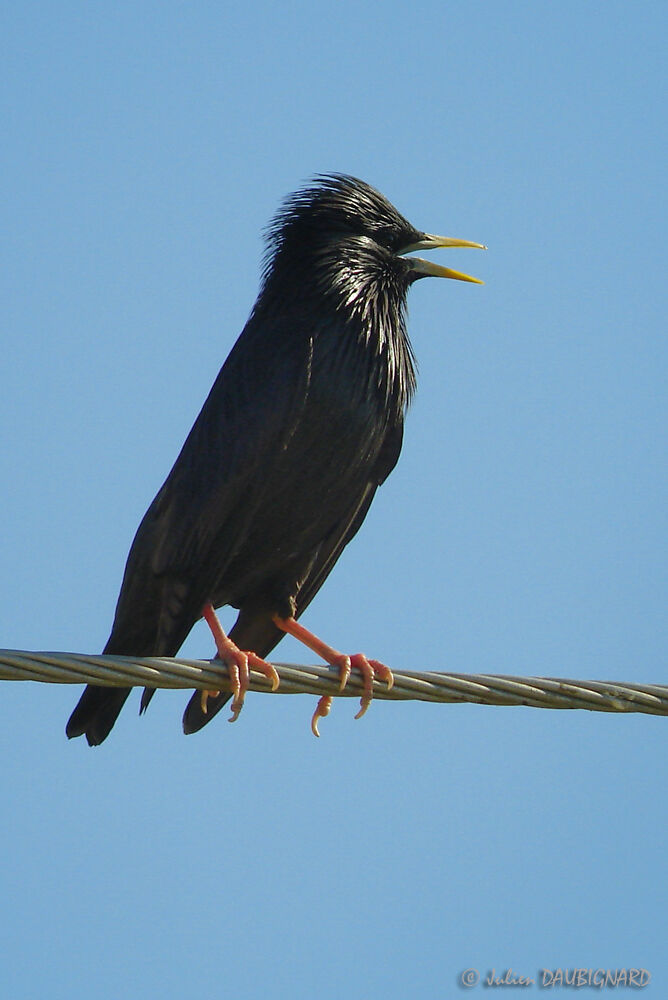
(96, 713)
(195, 718)
(98, 707)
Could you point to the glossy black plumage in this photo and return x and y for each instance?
(303, 423)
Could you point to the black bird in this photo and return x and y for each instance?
(303, 423)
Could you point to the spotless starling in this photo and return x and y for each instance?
(302, 425)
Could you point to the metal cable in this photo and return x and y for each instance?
(481, 689)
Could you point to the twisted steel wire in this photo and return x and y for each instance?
(481, 689)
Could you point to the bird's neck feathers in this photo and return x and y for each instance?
(369, 296)
(352, 293)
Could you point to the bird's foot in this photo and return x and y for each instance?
(240, 667)
(368, 668)
(344, 665)
(239, 663)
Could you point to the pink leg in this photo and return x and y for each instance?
(239, 663)
(368, 668)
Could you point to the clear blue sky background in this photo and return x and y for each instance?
(144, 147)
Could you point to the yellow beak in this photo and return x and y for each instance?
(426, 267)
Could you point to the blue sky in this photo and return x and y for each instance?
(144, 149)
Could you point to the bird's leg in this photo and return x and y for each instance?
(239, 664)
(368, 668)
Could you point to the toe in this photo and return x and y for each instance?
(321, 711)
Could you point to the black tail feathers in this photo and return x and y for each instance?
(96, 713)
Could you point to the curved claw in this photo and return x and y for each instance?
(345, 665)
(383, 672)
(204, 697)
(369, 669)
(321, 711)
(240, 666)
(268, 669)
(360, 661)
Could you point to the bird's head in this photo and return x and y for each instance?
(335, 267)
(340, 231)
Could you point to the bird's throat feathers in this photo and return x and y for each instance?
(367, 287)
(350, 296)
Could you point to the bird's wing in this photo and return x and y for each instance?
(252, 410)
(349, 525)
(202, 513)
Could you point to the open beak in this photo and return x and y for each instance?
(426, 267)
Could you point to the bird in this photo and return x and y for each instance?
(302, 425)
